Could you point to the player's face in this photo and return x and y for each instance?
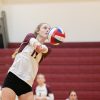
(40, 79)
(44, 30)
(73, 96)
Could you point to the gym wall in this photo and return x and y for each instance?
(80, 20)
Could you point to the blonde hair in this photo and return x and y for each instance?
(38, 28)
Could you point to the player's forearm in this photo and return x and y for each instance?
(39, 48)
(14, 54)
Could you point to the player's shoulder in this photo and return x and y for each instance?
(28, 37)
(31, 35)
(48, 86)
(49, 89)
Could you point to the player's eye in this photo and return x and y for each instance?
(45, 27)
(49, 28)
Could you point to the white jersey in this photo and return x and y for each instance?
(42, 91)
(25, 66)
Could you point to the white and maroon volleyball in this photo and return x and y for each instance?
(56, 36)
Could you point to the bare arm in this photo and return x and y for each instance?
(15, 53)
(39, 48)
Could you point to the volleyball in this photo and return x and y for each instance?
(56, 36)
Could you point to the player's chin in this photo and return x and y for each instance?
(45, 37)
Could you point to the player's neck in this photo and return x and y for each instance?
(40, 39)
(41, 85)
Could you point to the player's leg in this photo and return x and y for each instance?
(27, 96)
(8, 94)
(8, 87)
